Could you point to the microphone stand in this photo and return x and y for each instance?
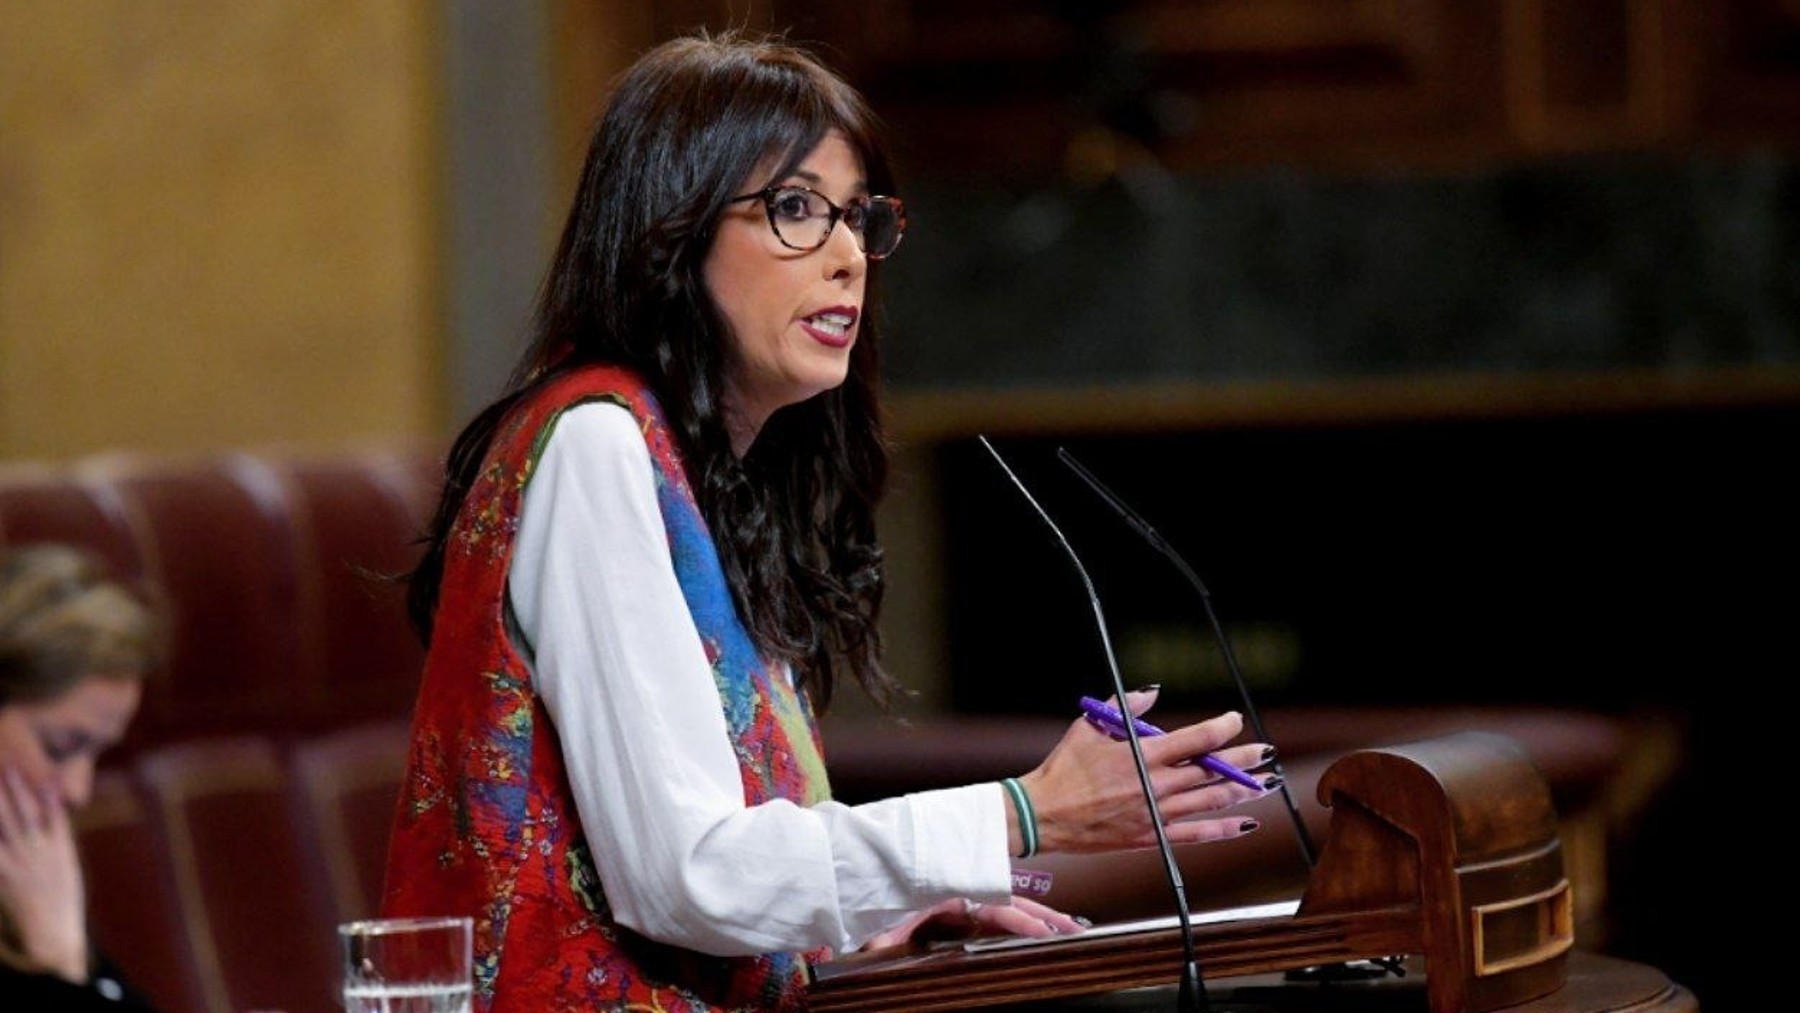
(1157, 542)
(1192, 996)
(1345, 971)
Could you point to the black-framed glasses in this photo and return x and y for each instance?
(802, 218)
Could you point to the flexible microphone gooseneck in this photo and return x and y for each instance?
(1192, 996)
(1143, 528)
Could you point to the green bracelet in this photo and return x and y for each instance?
(1028, 829)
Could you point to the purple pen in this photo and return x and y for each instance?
(1107, 718)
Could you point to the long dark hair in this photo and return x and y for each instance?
(794, 519)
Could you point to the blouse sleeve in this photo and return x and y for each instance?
(619, 664)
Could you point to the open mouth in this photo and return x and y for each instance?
(831, 326)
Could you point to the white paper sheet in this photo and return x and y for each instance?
(1277, 909)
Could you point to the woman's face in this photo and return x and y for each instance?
(793, 314)
(60, 738)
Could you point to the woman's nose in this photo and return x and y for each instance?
(844, 256)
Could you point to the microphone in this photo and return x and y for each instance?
(1149, 534)
(1347, 971)
(1192, 996)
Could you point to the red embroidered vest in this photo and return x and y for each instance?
(486, 823)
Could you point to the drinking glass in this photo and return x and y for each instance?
(407, 965)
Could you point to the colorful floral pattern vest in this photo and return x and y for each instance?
(486, 823)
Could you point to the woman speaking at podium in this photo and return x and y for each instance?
(655, 557)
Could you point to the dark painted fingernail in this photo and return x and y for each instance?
(1086, 923)
(1268, 753)
(1271, 782)
(1153, 687)
(1247, 826)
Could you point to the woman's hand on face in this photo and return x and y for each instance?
(40, 875)
(962, 918)
(20, 749)
(1088, 798)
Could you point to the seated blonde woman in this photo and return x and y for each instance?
(74, 649)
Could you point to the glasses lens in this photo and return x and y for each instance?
(802, 218)
(883, 223)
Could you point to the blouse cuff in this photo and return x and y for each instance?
(964, 851)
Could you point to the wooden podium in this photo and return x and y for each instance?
(1443, 852)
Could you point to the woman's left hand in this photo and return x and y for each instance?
(961, 918)
(40, 875)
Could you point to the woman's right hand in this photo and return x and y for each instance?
(1087, 796)
(40, 875)
(962, 918)
(20, 749)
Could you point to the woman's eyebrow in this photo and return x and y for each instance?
(813, 179)
(75, 737)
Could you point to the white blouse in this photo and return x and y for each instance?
(619, 664)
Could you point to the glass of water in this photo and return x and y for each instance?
(407, 965)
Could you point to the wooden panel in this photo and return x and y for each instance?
(1034, 88)
(1587, 75)
(218, 225)
(1747, 70)
(591, 42)
(1084, 88)
(923, 418)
